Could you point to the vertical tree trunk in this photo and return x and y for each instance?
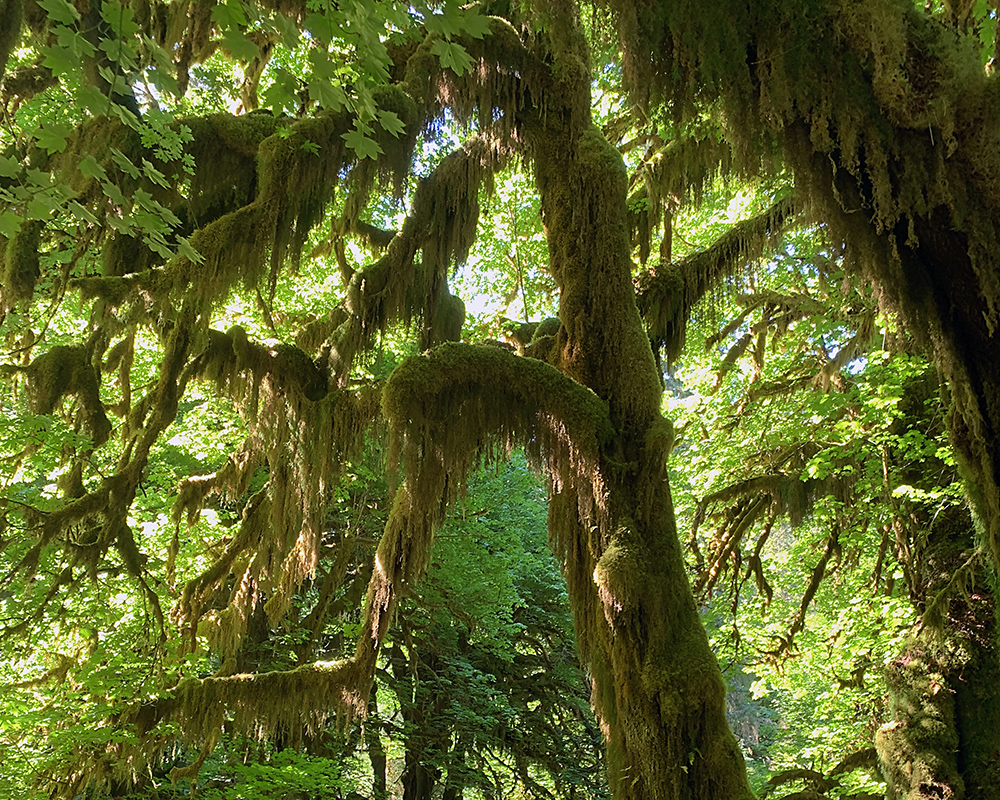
(943, 740)
(455, 782)
(657, 689)
(376, 753)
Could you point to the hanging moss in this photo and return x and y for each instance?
(224, 148)
(66, 370)
(20, 264)
(124, 255)
(667, 294)
(398, 288)
(678, 172)
(306, 435)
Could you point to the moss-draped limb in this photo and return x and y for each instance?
(66, 370)
(292, 702)
(90, 525)
(306, 434)
(409, 281)
(667, 294)
(260, 185)
(657, 690)
(891, 126)
(457, 404)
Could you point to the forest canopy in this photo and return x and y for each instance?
(433, 400)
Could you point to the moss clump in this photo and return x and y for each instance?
(225, 149)
(448, 320)
(619, 578)
(66, 370)
(19, 266)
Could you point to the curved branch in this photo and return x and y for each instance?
(453, 406)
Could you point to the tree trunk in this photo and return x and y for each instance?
(455, 782)
(657, 689)
(944, 688)
(376, 753)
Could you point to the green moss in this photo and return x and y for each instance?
(11, 14)
(19, 267)
(66, 370)
(917, 748)
(448, 320)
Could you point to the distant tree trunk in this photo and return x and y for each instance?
(657, 690)
(376, 753)
(455, 782)
(420, 737)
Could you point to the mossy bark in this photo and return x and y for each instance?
(943, 740)
(657, 689)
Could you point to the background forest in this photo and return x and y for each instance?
(228, 232)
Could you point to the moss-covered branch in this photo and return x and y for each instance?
(409, 281)
(667, 294)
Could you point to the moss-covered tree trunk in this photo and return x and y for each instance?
(943, 738)
(657, 689)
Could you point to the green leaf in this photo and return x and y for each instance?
(319, 27)
(329, 95)
(52, 136)
(447, 22)
(124, 163)
(154, 174)
(9, 168)
(287, 29)
(93, 100)
(186, 249)
(81, 213)
(240, 46)
(120, 225)
(59, 59)
(364, 146)
(90, 168)
(74, 41)
(10, 223)
(40, 206)
(121, 19)
(390, 121)
(322, 65)
(475, 24)
(280, 95)
(113, 193)
(118, 52)
(59, 11)
(453, 56)
(158, 246)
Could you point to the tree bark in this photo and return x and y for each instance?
(943, 740)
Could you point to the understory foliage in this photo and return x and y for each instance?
(258, 517)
